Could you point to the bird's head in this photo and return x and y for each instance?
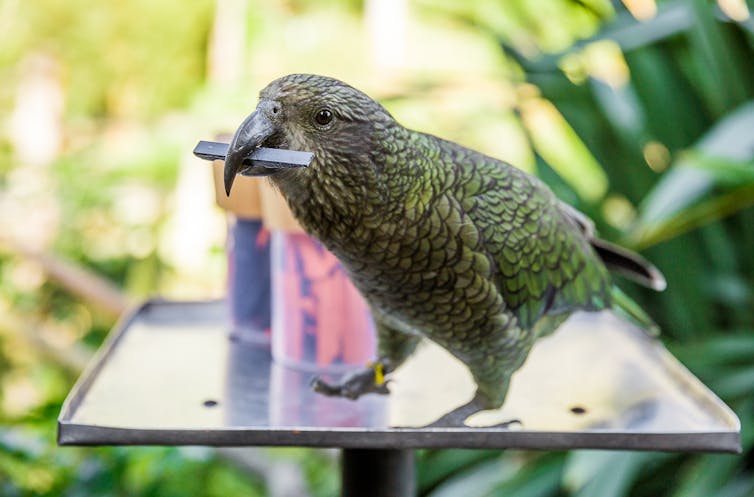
(306, 112)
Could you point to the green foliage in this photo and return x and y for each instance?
(115, 55)
(712, 180)
(30, 466)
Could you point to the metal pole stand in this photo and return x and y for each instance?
(378, 473)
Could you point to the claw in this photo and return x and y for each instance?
(506, 424)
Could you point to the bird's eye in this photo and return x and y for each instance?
(323, 117)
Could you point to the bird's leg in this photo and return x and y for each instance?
(394, 347)
(457, 417)
(492, 378)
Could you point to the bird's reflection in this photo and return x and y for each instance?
(294, 403)
(262, 392)
(247, 383)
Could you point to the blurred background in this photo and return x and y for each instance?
(638, 112)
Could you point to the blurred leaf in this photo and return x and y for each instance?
(437, 465)
(623, 110)
(725, 172)
(693, 217)
(730, 140)
(560, 146)
(477, 481)
(20, 444)
(226, 481)
(702, 477)
(734, 383)
(673, 110)
(671, 18)
(740, 487)
(724, 88)
(605, 474)
(540, 478)
(684, 198)
(718, 350)
(745, 411)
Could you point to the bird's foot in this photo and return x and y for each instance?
(369, 380)
(457, 417)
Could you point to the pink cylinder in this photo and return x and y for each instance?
(319, 320)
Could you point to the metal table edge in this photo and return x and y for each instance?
(70, 433)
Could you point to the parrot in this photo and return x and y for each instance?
(443, 242)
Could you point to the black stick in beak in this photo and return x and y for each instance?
(260, 162)
(244, 155)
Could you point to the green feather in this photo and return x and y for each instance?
(624, 306)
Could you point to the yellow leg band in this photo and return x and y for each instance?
(379, 372)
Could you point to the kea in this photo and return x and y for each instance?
(442, 241)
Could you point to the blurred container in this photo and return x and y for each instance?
(248, 253)
(319, 320)
(248, 250)
(284, 284)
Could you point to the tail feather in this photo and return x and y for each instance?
(617, 259)
(629, 264)
(625, 307)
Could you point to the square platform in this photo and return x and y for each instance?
(171, 374)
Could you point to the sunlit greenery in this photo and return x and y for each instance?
(646, 125)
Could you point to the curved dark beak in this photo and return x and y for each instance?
(251, 134)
